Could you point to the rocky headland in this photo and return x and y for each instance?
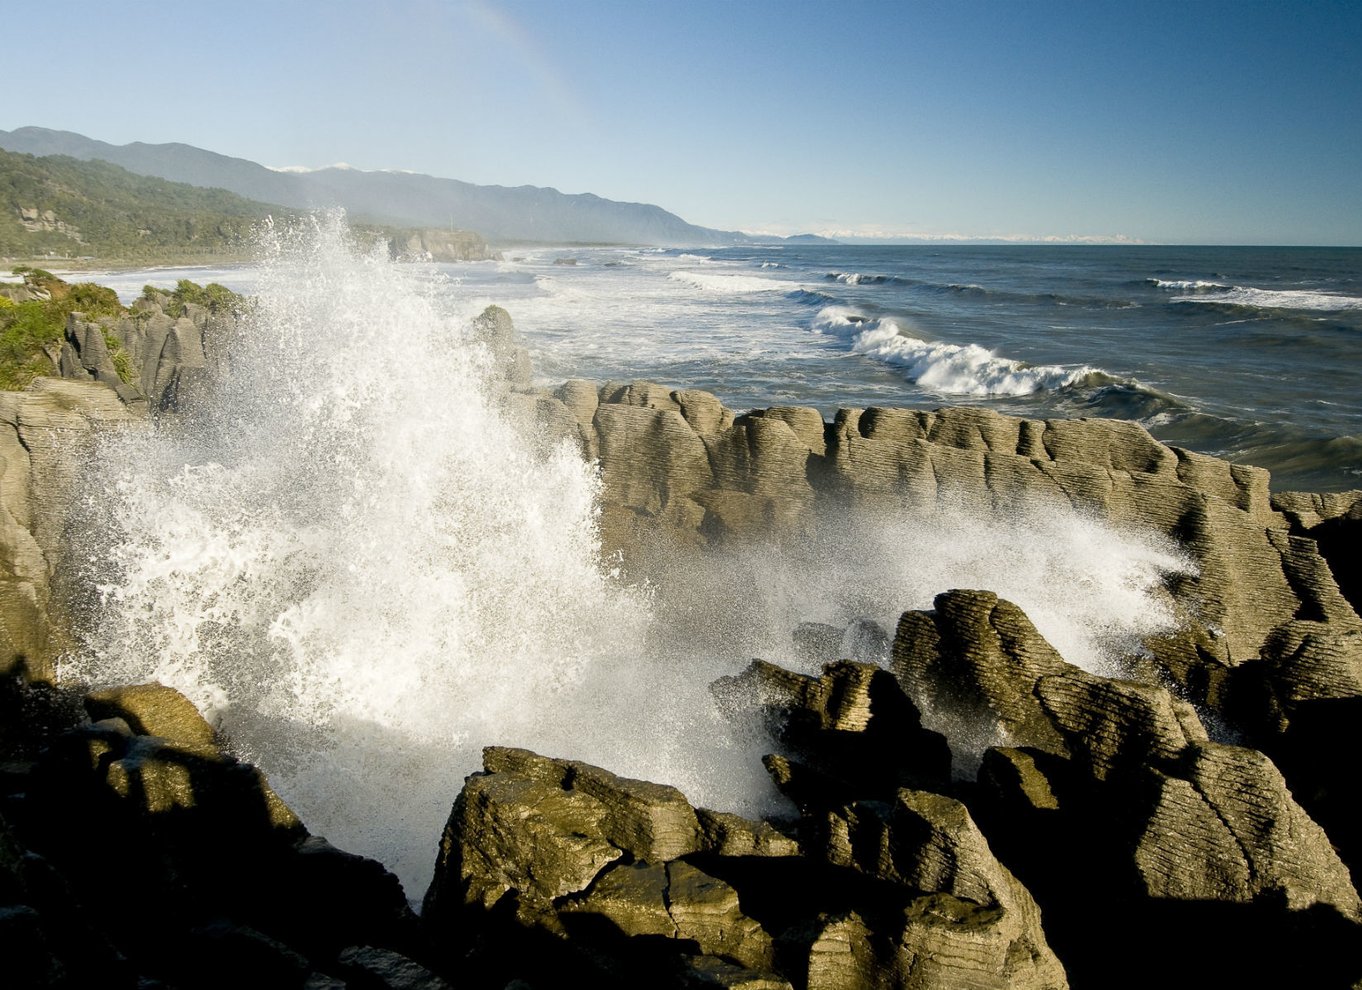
(971, 811)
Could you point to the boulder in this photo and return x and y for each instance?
(510, 360)
(130, 857)
(153, 710)
(849, 733)
(975, 924)
(611, 874)
(1113, 785)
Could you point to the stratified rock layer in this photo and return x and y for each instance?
(551, 866)
(1112, 786)
(1268, 643)
(46, 439)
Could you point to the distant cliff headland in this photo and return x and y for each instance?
(966, 807)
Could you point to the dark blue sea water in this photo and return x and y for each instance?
(1247, 353)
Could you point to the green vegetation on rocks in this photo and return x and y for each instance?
(34, 317)
(213, 297)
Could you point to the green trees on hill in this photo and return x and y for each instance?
(59, 207)
(69, 208)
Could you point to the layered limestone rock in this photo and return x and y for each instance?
(1128, 743)
(1103, 797)
(676, 461)
(833, 732)
(158, 362)
(1267, 637)
(641, 886)
(1097, 783)
(46, 438)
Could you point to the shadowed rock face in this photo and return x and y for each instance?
(130, 859)
(1219, 821)
(1097, 784)
(618, 881)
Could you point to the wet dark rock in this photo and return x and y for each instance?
(544, 868)
(849, 733)
(369, 968)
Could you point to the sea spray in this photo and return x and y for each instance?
(363, 571)
(354, 563)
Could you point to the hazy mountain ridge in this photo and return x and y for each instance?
(499, 213)
(60, 207)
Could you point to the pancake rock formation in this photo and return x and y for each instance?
(971, 811)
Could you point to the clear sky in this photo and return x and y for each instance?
(1188, 122)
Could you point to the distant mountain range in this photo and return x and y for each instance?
(501, 214)
(58, 208)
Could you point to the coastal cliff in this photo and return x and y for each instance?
(433, 244)
(970, 810)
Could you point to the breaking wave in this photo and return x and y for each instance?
(1248, 297)
(739, 285)
(947, 369)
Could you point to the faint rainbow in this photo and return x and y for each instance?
(522, 44)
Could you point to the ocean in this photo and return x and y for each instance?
(363, 574)
(1245, 353)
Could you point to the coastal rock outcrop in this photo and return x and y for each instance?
(974, 812)
(129, 858)
(678, 461)
(1267, 639)
(553, 866)
(46, 438)
(1090, 783)
(436, 244)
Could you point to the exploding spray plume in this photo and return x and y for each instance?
(363, 572)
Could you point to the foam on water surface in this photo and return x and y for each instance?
(947, 369)
(1251, 297)
(364, 573)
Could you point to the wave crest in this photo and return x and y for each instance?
(729, 285)
(948, 369)
(1250, 297)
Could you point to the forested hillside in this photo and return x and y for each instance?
(58, 207)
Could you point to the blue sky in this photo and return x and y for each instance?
(1190, 122)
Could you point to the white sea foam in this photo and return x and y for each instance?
(1248, 296)
(1092, 590)
(948, 369)
(364, 573)
(738, 285)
